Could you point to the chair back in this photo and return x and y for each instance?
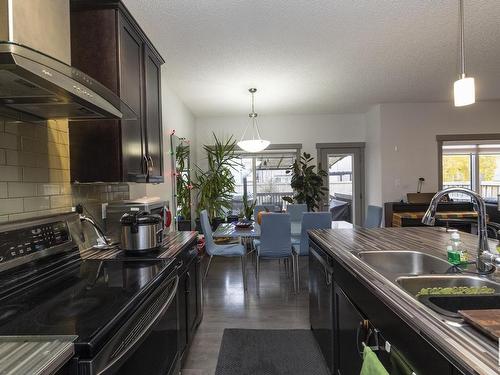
(312, 220)
(296, 211)
(264, 207)
(207, 231)
(275, 236)
(373, 217)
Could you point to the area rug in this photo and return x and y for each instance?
(270, 352)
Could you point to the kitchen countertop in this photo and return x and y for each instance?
(34, 355)
(460, 343)
(172, 245)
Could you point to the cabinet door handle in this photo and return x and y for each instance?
(147, 165)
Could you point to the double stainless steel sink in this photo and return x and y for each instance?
(414, 270)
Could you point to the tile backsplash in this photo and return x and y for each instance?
(35, 173)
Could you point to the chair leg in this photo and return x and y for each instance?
(294, 280)
(297, 272)
(208, 266)
(257, 271)
(244, 271)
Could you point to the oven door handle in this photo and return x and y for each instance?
(144, 332)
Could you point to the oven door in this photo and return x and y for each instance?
(147, 343)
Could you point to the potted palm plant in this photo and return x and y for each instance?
(248, 207)
(216, 185)
(307, 183)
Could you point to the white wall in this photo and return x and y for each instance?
(373, 162)
(408, 140)
(305, 129)
(176, 116)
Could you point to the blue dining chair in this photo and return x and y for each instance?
(258, 208)
(310, 220)
(373, 217)
(264, 207)
(229, 250)
(275, 241)
(296, 211)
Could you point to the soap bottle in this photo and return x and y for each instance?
(453, 256)
(457, 247)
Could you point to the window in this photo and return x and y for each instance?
(474, 166)
(263, 176)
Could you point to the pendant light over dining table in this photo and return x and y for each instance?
(254, 142)
(464, 90)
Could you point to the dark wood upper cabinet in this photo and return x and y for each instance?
(108, 44)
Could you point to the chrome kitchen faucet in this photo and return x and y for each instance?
(484, 257)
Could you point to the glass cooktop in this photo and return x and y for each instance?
(87, 299)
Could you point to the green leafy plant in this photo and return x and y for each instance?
(183, 182)
(216, 185)
(307, 183)
(248, 206)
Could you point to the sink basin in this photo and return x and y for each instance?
(399, 262)
(413, 284)
(450, 305)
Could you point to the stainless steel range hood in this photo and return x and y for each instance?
(35, 86)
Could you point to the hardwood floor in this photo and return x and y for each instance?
(227, 306)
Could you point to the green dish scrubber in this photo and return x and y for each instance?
(456, 290)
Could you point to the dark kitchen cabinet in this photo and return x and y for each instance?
(356, 312)
(321, 302)
(190, 295)
(347, 329)
(108, 44)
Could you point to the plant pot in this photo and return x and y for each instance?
(197, 226)
(232, 218)
(183, 225)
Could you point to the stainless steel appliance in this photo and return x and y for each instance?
(141, 231)
(122, 310)
(36, 87)
(115, 211)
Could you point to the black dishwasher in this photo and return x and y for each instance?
(321, 300)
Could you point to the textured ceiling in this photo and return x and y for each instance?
(319, 56)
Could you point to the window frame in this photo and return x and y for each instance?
(279, 148)
(481, 138)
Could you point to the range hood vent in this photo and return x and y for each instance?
(37, 87)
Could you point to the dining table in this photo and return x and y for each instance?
(230, 230)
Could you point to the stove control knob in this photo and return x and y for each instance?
(1, 259)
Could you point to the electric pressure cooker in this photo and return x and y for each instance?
(141, 231)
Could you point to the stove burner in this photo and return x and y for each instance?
(9, 311)
(73, 308)
(81, 308)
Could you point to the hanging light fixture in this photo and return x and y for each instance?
(254, 143)
(463, 89)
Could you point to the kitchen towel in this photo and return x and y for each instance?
(371, 363)
(398, 364)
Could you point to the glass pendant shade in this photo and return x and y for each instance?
(464, 92)
(253, 142)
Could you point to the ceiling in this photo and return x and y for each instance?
(319, 56)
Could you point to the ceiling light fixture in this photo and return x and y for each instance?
(463, 89)
(254, 143)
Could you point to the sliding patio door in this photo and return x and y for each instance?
(344, 163)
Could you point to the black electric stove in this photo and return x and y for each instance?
(113, 306)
